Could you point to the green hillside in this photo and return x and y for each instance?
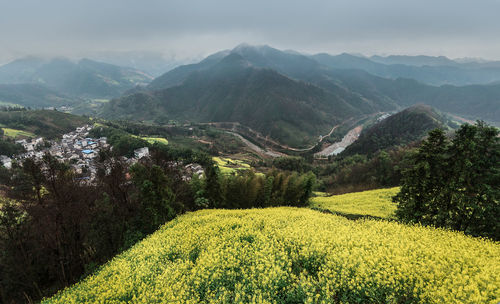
(290, 97)
(402, 128)
(292, 255)
(471, 101)
(372, 86)
(85, 78)
(45, 123)
(33, 95)
(290, 111)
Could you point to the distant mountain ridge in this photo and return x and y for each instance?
(289, 96)
(85, 78)
(33, 95)
(429, 70)
(233, 90)
(420, 60)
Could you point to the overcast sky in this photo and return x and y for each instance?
(187, 29)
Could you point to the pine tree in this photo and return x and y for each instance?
(424, 182)
(455, 185)
(475, 180)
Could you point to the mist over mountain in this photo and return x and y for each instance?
(85, 78)
(153, 63)
(33, 95)
(429, 70)
(419, 61)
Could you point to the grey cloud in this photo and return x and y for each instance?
(192, 28)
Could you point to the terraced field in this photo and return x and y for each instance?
(229, 165)
(373, 202)
(14, 133)
(293, 255)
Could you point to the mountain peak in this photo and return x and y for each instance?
(246, 48)
(234, 58)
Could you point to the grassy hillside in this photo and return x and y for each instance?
(291, 255)
(45, 123)
(402, 128)
(290, 111)
(289, 97)
(33, 95)
(471, 101)
(347, 78)
(85, 78)
(373, 202)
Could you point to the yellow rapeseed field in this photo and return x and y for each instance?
(14, 133)
(152, 140)
(373, 202)
(293, 255)
(228, 165)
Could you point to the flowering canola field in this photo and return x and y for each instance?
(14, 133)
(293, 255)
(372, 202)
(228, 165)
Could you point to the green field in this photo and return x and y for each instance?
(294, 255)
(14, 133)
(229, 166)
(373, 202)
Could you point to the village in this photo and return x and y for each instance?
(75, 148)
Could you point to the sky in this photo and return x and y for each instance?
(184, 29)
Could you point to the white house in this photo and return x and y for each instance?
(141, 152)
(6, 161)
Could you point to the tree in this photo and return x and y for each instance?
(155, 194)
(455, 185)
(475, 180)
(424, 182)
(213, 189)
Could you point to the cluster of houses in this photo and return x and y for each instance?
(79, 150)
(191, 170)
(75, 148)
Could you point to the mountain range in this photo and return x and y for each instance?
(292, 97)
(33, 95)
(429, 70)
(85, 78)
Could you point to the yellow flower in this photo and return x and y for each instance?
(277, 254)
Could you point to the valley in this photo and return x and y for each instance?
(251, 175)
